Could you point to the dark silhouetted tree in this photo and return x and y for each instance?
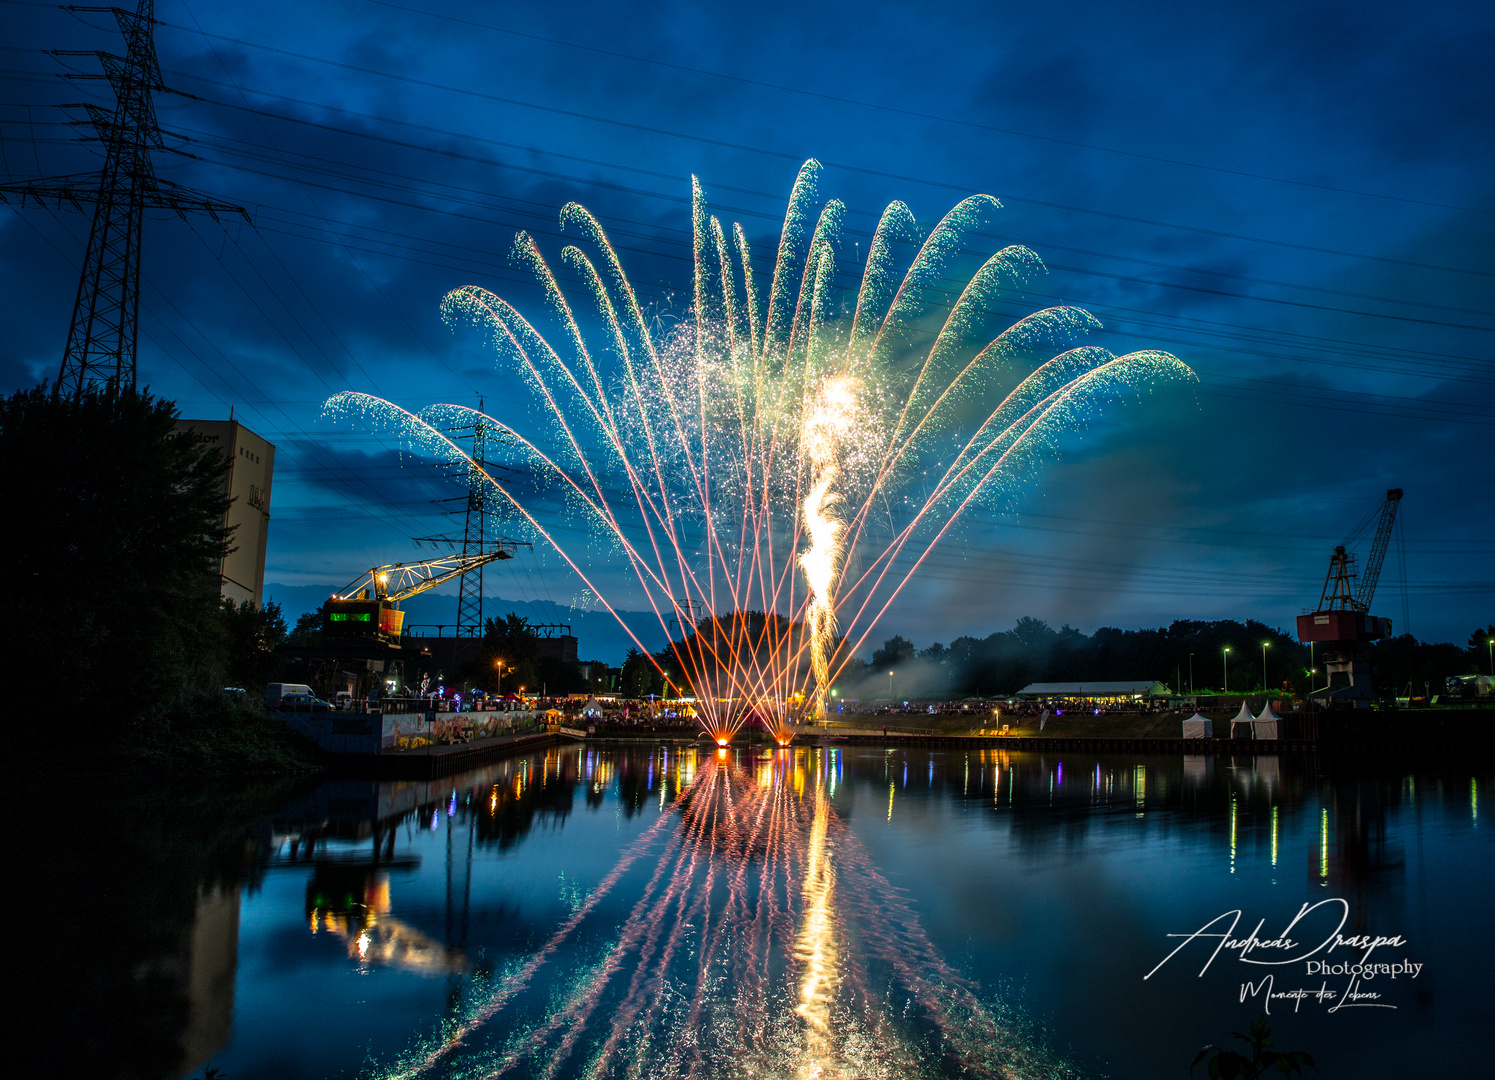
(112, 597)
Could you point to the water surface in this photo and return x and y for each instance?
(667, 911)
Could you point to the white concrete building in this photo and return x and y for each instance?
(241, 574)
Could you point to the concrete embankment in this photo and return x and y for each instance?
(429, 762)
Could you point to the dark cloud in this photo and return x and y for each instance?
(1311, 400)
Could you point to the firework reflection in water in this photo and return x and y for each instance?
(763, 943)
(772, 474)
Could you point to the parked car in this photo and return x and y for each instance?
(304, 703)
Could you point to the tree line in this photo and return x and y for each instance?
(1187, 655)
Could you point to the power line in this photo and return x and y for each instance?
(974, 125)
(799, 157)
(103, 334)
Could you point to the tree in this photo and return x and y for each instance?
(896, 650)
(639, 677)
(113, 593)
(1479, 650)
(513, 643)
(253, 634)
(308, 629)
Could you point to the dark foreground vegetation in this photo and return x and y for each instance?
(111, 615)
(132, 891)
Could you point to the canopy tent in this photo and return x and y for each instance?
(1199, 726)
(1265, 725)
(592, 708)
(1241, 724)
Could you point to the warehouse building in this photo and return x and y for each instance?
(1101, 693)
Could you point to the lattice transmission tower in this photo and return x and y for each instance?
(475, 540)
(101, 341)
(474, 534)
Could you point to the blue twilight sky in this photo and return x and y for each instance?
(1296, 199)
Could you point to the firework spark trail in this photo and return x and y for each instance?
(815, 948)
(736, 916)
(712, 432)
(747, 969)
(820, 912)
(656, 920)
(749, 820)
(780, 865)
(578, 1009)
(825, 426)
(683, 914)
(755, 957)
(509, 987)
(976, 1037)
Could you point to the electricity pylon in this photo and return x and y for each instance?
(475, 541)
(474, 534)
(101, 341)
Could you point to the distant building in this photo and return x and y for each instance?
(241, 573)
(552, 643)
(1094, 691)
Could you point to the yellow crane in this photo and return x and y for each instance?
(367, 605)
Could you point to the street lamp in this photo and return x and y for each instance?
(499, 664)
(1225, 663)
(890, 685)
(1191, 673)
(1264, 646)
(1491, 650)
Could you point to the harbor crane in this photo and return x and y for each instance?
(366, 606)
(1343, 620)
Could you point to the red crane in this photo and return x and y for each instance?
(1343, 618)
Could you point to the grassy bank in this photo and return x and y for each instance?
(1078, 724)
(203, 734)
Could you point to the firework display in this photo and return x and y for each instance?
(772, 471)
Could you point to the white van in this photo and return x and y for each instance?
(277, 690)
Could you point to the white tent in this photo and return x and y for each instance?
(591, 708)
(1199, 726)
(1244, 717)
(1265, 725)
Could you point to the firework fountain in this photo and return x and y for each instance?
(774, 473)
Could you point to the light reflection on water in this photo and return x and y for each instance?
(663, 911)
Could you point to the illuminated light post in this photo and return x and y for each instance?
(890, 686)
(1264, 646)
(1490, 648)
(499, 664)
(1225, 663)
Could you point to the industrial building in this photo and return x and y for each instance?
(241, 573)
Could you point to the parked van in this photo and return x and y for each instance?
(277, 690)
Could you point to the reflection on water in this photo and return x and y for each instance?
(801, 913)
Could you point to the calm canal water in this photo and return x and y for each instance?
(666, 911)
